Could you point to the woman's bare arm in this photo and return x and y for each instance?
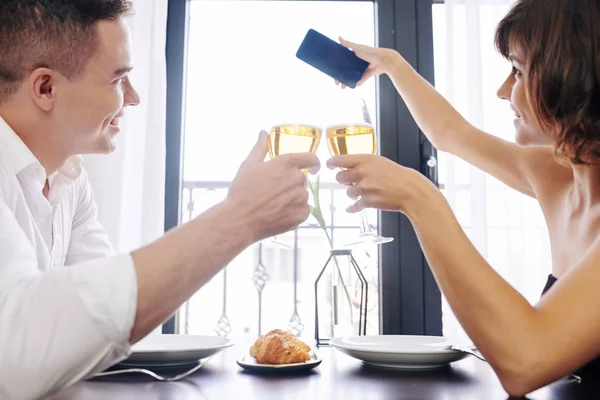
(527, 346)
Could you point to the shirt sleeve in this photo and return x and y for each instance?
(62, 326)
(89, 239)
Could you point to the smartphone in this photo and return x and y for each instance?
(331, 58)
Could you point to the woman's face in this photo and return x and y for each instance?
(528, 131)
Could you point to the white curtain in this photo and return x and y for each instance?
(129, 184)
(507, 227)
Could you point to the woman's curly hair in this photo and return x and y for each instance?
(561, 42)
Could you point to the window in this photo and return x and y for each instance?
(245, 78)
(229, 77)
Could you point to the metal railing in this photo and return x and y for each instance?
(193, 190)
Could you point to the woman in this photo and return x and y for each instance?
(554, 90)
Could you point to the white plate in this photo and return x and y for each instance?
(174, 350)
(248, 362)
(402, 352)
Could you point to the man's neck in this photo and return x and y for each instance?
(50, 160)
(36, 137)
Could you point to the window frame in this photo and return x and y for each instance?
(409, 296)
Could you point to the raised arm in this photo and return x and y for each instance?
(445, 128)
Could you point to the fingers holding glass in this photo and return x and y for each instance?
(352, 139)
(293, 139)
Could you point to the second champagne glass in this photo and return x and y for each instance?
(358, 138)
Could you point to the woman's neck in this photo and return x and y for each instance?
(586, 190)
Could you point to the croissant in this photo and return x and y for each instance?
(279, 347)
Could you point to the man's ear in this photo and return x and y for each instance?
(42, 83)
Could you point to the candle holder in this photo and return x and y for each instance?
(343, 277)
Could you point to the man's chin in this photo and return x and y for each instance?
(106, 147)
(111, 148)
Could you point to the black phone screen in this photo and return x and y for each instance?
(331, 58)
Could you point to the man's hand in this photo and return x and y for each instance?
(272, 193)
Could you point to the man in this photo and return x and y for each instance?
(63, 88)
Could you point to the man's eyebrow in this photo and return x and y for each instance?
(122, 71)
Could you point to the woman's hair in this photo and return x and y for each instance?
(560, 43)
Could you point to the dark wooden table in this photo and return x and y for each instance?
(338, 377)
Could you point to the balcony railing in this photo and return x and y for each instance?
(200, 195)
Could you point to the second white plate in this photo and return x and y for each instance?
(401, 352)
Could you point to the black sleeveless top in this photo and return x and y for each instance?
(590, 370)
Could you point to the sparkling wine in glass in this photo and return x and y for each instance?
(293, 138)
(356, 138)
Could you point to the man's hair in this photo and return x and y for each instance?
(560, 40)
(56, 34)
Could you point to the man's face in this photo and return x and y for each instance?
(89, 108)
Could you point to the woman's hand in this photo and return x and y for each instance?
(380, 60)
(376, 182)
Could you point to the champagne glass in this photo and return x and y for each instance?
(358, 138)
(293, 138)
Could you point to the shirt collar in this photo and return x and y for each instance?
(14, 151)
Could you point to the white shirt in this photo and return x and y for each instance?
(67, 303)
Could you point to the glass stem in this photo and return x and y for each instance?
(365, 228)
